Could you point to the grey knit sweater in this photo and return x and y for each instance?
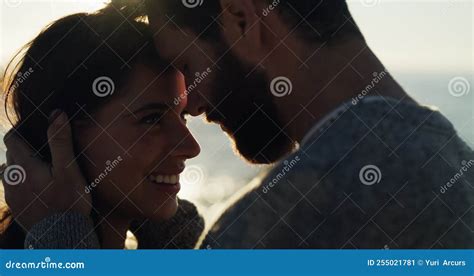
(74, 231)
(378, 174)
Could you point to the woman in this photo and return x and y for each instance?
(102, 74)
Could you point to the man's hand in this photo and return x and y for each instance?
(35, 189)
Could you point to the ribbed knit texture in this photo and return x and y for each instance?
(321, 202)
(63, 231)
(75, 231)
(180, 232)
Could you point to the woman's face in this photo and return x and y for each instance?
(134, 148)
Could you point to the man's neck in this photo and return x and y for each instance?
(336, 75)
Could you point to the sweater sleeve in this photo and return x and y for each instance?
(180, 232)
(68, 230)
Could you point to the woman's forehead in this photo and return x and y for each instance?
(146, 84)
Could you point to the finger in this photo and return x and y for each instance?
(11, 176)
(3, 167)
(60, 142)
(9, 158)
(18, 150)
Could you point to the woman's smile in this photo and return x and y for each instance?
(168, 183)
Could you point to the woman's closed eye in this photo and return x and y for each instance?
(152, 119)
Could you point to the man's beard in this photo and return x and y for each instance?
(244, 107)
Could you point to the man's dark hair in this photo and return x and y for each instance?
(314, 20)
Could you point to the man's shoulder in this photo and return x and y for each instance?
(362, 182)
(268, 208)
(348, 204)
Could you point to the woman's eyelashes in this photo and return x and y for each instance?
(156, 118)
(152, 119)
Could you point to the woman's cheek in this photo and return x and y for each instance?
(150, 143)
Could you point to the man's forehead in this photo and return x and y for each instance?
(183, 12)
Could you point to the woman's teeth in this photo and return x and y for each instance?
(168, 179)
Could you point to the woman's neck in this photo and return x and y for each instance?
(112, 231)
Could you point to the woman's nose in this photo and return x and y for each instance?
(188, 147)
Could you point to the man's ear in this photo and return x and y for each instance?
(241, 28)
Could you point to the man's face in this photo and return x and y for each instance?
(228, 92)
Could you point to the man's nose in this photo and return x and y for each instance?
(194, 105)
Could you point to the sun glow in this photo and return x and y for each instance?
(22, 20)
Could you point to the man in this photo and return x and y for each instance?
(358, 163)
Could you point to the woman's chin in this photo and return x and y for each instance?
(166, 210)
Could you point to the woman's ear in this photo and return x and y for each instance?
(242, 29)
